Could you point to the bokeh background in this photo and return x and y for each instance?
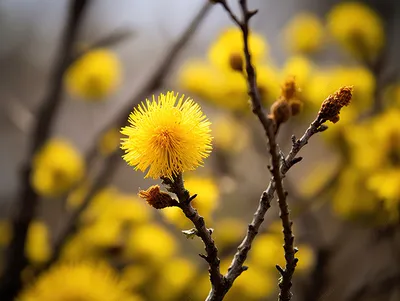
(344, 195)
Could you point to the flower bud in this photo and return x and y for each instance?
(296, 106)
(157, 198)
(280, 111)
(330, 108)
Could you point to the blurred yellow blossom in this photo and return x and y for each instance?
(38, 249)
(80, 281)
(269, 245)
(206, 202)
(229, 231)
(304, 33)
(226, 52)
(135, 275)
(167, 136)
(254, 284)
(357, 28)
(94, 76)
(268, 84)
(177, 274)
(229, 134)
(300, 67)
(56, 168)
(109, 141)
(353, 201)
(150, 243)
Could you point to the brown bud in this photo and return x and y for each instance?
(296, 106)
(330, 108)
(280, 111)
(157, 198)
(236, 62)
(289, 88)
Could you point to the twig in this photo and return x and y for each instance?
(270, 130)
(177, 186)
(26, 205)
(279, 170)
(112, 39)
(111, 162)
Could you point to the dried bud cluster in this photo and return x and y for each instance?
(280, 111)
(236, 62)
(330, 108)
(288, 104)
(157, 198)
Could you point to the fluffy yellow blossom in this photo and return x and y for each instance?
(135, 275)
(167, 136)
(227, 50)
(270, 246)
(109, 141)
(206, 202)
(254, 284)
(83, 282)
(300, 67)
(229, 231)
(56, 168)
(150, 243)
(357, 28)
(229, 134)
(38, 249)
(94, 76)
(176, 275)
(353, 201)
(268, 84)
(304, 33)
(220, 88)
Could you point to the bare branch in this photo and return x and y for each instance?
(26, 205)
(177, 186)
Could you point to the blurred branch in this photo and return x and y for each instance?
(27, 202)
(113, 39)
(111, 161)
(177, 186)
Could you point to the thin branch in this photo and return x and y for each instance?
(111, 161)
(270, 130)
(112, 39)
(26, 205)
(177, 186)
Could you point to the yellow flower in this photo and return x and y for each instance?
(229, 134)
(227, 51)
(253, 284)
(57, 167)
(150, 243)
(176, 274)
(357, 28)
(300, 67)
(353, 201)
(304, 33)
(38, 249)
(94, 76)
(167, 136)
(269, 246)
(268, 84)
(109, 141)
(206, 202)
(385, 185)
(81, 281)
(228, 233)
